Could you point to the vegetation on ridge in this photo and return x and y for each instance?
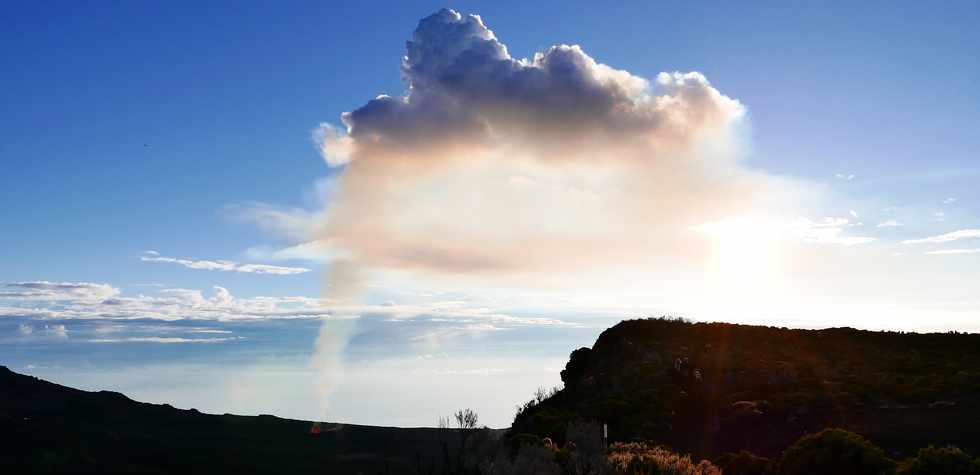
(712, 388)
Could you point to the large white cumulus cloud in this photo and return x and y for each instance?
(464, 86)
(489, 163)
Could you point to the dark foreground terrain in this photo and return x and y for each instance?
(748, 400)
(45, 427)
(711, 388)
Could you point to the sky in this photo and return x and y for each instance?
(380, 213)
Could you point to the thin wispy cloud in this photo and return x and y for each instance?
(314, 251)
(45, 290)
(948, 237)
(891, 223)
(223, 265)
(844, 176)
(829, 230)
(164, 340)
(946, 252)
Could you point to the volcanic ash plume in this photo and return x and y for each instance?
(494, 166)
(491, 164)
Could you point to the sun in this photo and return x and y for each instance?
(744, 256)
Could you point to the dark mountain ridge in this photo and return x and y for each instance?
(709, 388)
(700, 388)
(46, 427)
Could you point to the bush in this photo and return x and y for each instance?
(745, 463)
(643, 459)
(586, 454)
(529, 460)
(835, 451)
(524, 440)
(940, 461)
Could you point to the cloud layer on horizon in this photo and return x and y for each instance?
(105, 302)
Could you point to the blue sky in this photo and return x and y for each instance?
(131, 127)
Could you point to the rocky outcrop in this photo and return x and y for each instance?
(711, 388)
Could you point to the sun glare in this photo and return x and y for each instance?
(744, 258)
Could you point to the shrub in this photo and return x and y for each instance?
(745, 463)
(834, 451)
(940, 461)
(529, 460)
(643, 459)
(586, 454)
(524, 440)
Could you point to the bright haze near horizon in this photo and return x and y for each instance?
(378, 214)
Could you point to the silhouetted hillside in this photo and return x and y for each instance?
(704, 389)
(709, 388)
(46, 427)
